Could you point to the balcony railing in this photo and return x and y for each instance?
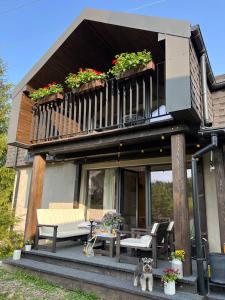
(121, 103)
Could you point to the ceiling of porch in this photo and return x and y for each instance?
(94, 44)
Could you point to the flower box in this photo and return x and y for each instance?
(94, 84)
(50, 98)
(137, 71)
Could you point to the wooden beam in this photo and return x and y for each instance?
(220, 191)
(180, 200)
(35, 195)
(107, 139)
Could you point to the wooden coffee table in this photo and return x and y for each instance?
(106, 237)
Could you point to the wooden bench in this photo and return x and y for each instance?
(60, 225)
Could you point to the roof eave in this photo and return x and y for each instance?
(155, 24)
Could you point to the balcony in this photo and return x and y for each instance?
(128, 102)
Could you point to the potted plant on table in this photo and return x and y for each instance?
(50, 92)
(112, 220)
(169, 280)
(85, 79)
(28, 245)
(177, 261)
(128, 64)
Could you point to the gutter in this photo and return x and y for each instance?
(199, 43)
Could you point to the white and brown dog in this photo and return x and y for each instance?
(143, 274)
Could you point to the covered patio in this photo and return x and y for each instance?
(101, 274)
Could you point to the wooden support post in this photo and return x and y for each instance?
(220, 191)
(180, 200)
(35, 195)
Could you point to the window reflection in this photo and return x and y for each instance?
(162, 195)
(101, 189)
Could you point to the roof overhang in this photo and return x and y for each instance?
(199, 44)
(146, 23)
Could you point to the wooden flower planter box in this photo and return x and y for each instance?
(94, 84)
(50, 98)
(137, 71)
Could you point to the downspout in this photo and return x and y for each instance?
(207, 121)
(197, 221)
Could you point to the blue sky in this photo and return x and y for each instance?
(30, 27)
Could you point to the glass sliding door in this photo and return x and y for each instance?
(129, 203)
(162, 195)
(101, 189)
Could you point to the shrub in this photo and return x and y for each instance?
(50, 89)
(83, 76)
(127, 61)
(10, 242)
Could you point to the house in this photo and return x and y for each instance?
(130, 146)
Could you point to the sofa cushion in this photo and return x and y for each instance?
(67, 220)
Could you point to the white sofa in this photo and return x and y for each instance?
(60, 224)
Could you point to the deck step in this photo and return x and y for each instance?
(107, 287)
(122, 271)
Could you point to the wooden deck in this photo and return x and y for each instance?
(100, 274)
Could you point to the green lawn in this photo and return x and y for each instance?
(23, 286)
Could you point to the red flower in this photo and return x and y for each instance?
(114, 62)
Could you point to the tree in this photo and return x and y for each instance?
(7, 220)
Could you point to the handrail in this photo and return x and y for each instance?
(118, 104)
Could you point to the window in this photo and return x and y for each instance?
(101, 189)
(162, 195)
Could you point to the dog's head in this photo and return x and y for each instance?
(147, 265)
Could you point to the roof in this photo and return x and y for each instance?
(147, 23)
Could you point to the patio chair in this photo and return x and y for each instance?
(154, 240)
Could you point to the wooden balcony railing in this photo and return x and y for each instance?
(121, 103)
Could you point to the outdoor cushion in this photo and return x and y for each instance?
(134, 242)
(146, 239)
(67, 220)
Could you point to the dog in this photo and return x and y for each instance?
(143, 274)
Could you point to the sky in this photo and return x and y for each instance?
(29, 27)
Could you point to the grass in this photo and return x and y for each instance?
(34, 287)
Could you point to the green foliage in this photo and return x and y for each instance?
(162, 195)
(112, 219)
(127, 61)
(83, 76)
(7, 220)
(50, 89)
(29, 242)
(10, 242)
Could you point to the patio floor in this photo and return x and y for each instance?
(73, 251)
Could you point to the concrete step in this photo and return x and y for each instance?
(122, 271)
(105, 286)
